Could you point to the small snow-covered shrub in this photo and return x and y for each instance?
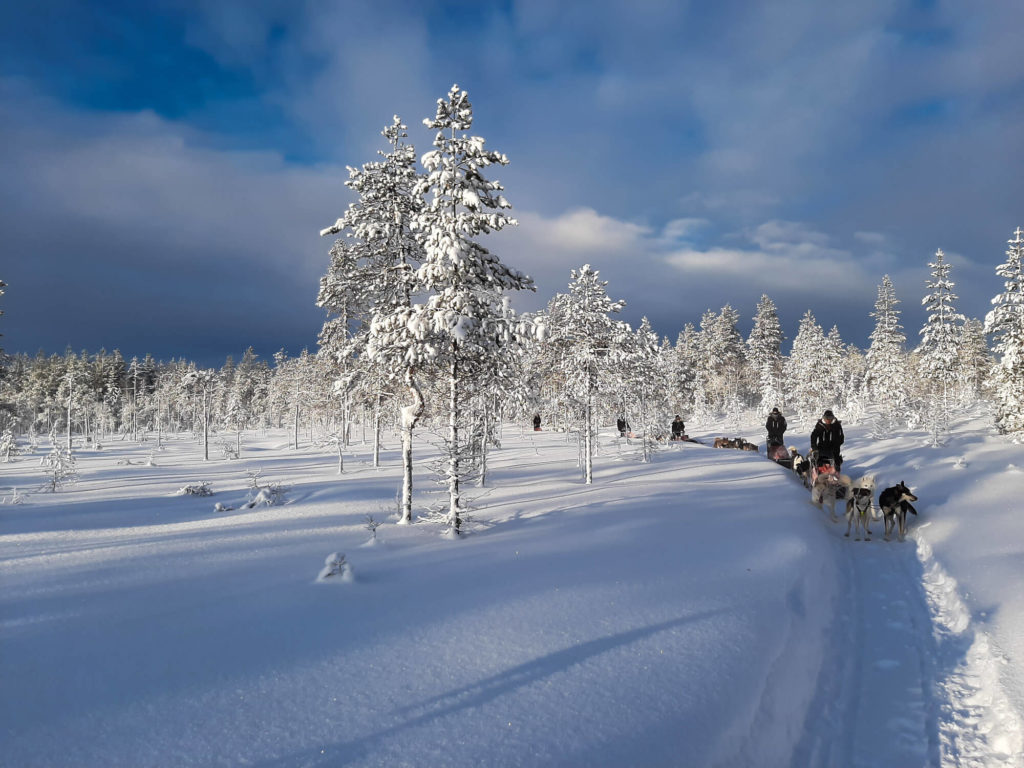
(59, 467)
(271, 495)
(336, 566)
(8, 446)
(14, 498)
(229, 450)
(371, 525)
(198, 489)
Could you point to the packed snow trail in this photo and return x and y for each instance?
(910, 683)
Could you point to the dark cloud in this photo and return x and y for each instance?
(695, 153)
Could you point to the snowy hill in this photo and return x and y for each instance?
(695, 611)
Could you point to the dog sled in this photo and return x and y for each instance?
(778, 453)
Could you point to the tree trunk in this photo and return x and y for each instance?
(295, 425)
(206, 427)
(588, 472)
(454, 519)
(484, 423)
(410, 417)
(376, 433)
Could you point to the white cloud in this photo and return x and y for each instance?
(876, 239)
(683, 229)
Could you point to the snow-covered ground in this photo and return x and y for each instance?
(694, 611)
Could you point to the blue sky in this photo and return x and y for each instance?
(167, 165)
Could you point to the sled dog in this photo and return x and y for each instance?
(895, 503)
(858, 506)
(801, 466)
(829, 487)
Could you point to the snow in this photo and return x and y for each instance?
(696, 610)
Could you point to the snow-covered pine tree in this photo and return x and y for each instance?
(682, 373)
(58, 467)
(764, 354)
(804, 369)
(832, 370)
(587, 345)
(372, 274)
(239, 409)
(644, 385)
(974, 362)
(885, 380)
(938, 351)
(368, 289)
(203, 383)
(8, 446)
(464, 316)
(71, 393)
(1005, 324)
(728, 357)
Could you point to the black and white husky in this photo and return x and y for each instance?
(895, 503)
(858, 506)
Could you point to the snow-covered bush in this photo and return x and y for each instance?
(269, 495)
(59, 467)
(8, 446)
(198, 489)
(371, 525)
(14, 498)
(336, 566)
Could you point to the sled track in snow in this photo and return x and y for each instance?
(909, 681)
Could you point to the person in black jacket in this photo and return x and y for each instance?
(827, 437)
(678, 428)
(776, 426)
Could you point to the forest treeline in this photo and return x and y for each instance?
(420, 333)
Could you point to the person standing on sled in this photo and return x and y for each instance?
(827, 437)
(536, 423)
(776, 426)
(678, 428)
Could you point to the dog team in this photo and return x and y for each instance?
(820, 472)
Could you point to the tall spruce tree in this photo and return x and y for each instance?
(938, 352)
(1005, 324)
(885, 380)
(764, 353)
(805, 366)
(368, 291)
(588, 346)
(974, 361)
(465, 315)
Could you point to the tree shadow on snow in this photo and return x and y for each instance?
(478, 694)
